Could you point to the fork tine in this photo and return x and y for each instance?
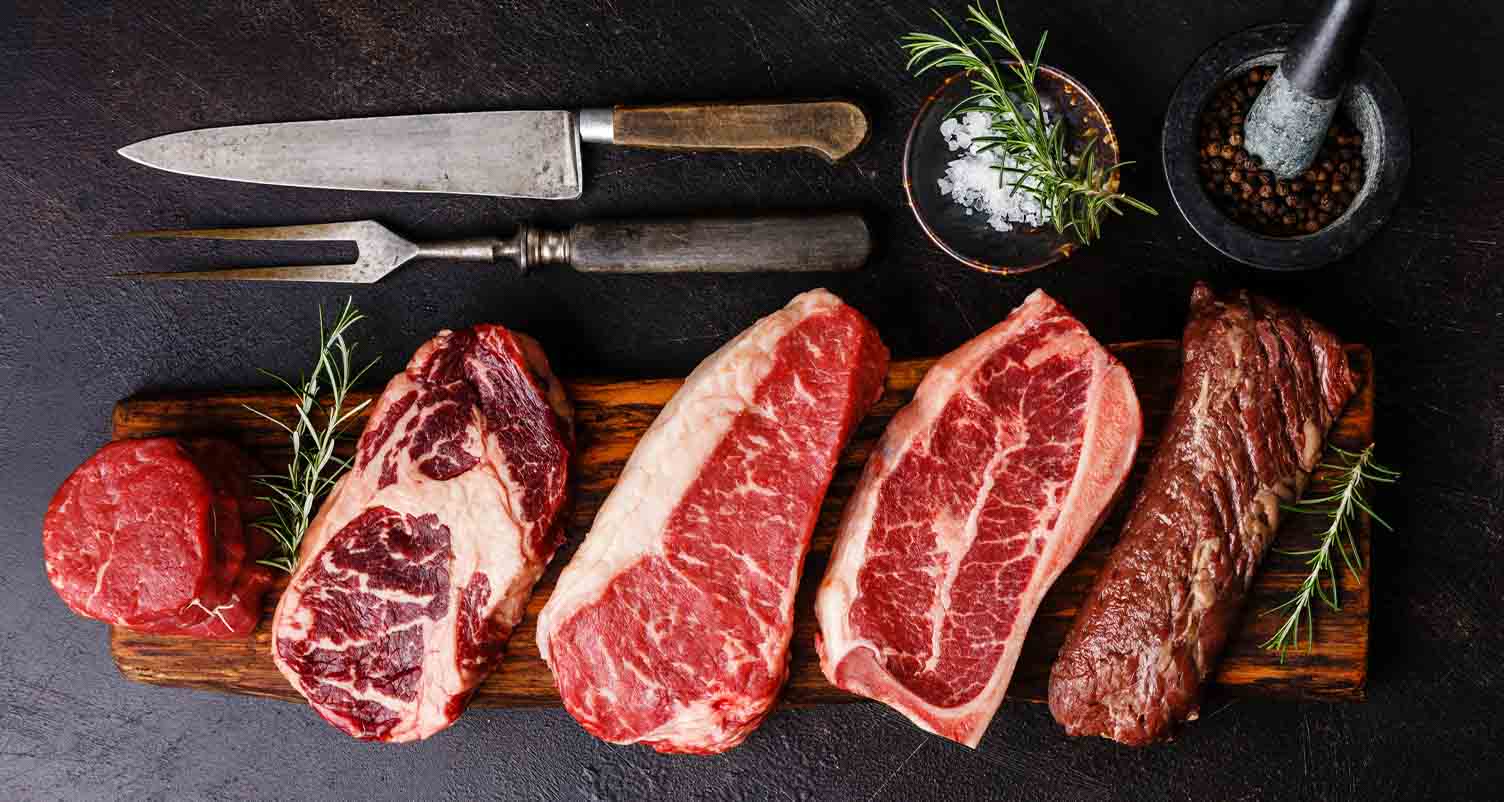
(354, 230)
(335, 274)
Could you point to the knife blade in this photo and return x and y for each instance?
(526, 154)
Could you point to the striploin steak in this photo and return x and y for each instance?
(1259, 387)
(421, 560)
(671, 625)
(979, 494)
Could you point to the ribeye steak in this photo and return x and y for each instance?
(422, 559)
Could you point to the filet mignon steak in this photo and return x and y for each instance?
(130, 535)
(149, 534)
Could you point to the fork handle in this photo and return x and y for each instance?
(768, 243)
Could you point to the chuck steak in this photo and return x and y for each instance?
(980, 493)
(671, 625)
(1259, 387)
(422, 558)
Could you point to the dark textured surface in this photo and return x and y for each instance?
(78, 80)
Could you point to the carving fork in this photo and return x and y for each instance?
(781, 243)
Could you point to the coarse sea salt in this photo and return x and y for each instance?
(986, 181)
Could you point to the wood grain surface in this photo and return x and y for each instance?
(611, 415)
(832, 128)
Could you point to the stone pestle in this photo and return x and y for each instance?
(1289, 119)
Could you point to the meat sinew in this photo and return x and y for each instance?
(148, 534)
(422, 559)
(1259, 388)
(980, 493)
(671, 625)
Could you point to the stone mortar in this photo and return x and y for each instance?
(1371, 101)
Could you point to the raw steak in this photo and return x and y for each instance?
(229, 606)
(671, 625)
(1259, 388)
(421, 560)
(980, 493)
(129, 536)
(234, 472)
(148, 534)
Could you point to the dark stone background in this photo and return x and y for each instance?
(78, 80)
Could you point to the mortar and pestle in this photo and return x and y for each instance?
(1321, 69)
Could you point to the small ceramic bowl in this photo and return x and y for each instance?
(968, 237)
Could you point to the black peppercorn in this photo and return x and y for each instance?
(1253, 196)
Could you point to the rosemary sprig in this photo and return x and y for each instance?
(1074, 188)
(1342, 497)
(295, 496)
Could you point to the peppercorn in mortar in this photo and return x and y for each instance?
(1252, 196)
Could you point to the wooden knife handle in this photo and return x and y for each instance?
(832, 128)
(776, 243)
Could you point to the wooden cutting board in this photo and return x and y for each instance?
(612, 415)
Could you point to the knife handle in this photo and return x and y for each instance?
(771, 243)
(831, 128)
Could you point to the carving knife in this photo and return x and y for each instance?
(524, 154)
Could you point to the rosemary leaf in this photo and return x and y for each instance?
(1342, 499)
(1073, 187)
(295, 496)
